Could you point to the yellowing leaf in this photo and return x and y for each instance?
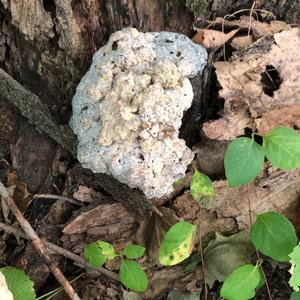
(153, 230)
(177, 244)
(202, 189)
(212, 38)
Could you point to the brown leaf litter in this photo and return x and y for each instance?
(246, 102)
(209, 38)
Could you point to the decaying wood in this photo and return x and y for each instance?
(109, 222)
(38, 244)
(35, 111)
(273, 191)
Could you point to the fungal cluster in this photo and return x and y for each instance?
(128, 107)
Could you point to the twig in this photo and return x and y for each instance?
(157, 211)
(59, 197)
(35, 111)
(250, 19)
(257, 253)
(37, 243)
(80, 261)
(202, 257)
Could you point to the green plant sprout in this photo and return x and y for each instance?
(131, 274)
(272, 234)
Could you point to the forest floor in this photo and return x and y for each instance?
(67, 206)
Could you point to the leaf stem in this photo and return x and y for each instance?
(202, 256)
(257, 253)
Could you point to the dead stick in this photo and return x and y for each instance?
(58, 197)
(37, 243)
(64, 252)
(35, 111)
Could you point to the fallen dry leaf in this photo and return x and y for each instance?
(242, 42)
(86, 194)
(19, 191)
(224, 254)
(212, 38)
(152, 231)
(258, 28)
(171, 278)
(250, 93)
(288, 116)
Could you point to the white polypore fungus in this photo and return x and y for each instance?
(128, 107)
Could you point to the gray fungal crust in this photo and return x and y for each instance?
(128, 107)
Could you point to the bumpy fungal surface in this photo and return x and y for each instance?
(128, 107)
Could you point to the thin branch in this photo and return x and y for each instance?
(35, 111)
(37, 243)
(80, 261)
(257, 253)
(58, 197)
(202, 256)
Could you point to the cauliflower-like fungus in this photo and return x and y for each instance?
(128, 107)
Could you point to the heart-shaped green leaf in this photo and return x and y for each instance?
(98, 253)
(274, 235)
(295, 296)
(282, 148)
(243, 161)
(241, 283)
(133, 276)
(134, 251)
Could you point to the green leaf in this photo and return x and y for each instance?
(20, 285)
(274, 235)
(182, 295)
(134, 251)
(98, 253)
(295, 296)
(177, 244)
(132, 276)
(224, 254)
(107, 250)
(241, 283)
(202, 189)
(131, 296)
(282, 148)
(243, 161)
(295, 269)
